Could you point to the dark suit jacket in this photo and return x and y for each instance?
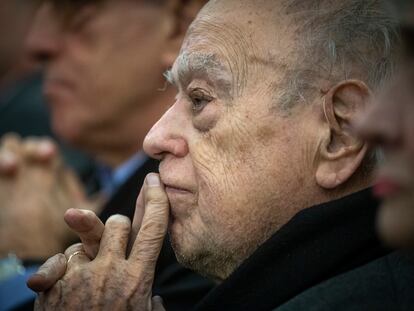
(385, 284)
(180, 288)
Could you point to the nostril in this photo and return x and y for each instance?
(158, 155)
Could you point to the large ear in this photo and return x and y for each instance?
(341, 151)
(183, 13)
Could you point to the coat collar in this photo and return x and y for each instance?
(318, 243)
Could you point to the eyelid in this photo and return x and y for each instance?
(200, 91)
(198, 94)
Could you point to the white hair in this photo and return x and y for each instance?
(338, 40)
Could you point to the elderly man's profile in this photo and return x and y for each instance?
(263, 182)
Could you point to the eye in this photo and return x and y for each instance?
(199, 100)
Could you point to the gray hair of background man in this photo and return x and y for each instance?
(338, 40)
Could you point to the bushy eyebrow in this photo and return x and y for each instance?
(196, 65)
(169, 77)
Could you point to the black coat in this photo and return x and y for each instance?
(318, 244)
(386, 284)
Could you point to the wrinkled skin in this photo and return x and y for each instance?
(115, 279)
(236, 168)
(33, 169)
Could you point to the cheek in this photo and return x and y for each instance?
(215, 177)
(229, 159)
(225, 185)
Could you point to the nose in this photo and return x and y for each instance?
(44, 38)
(167, 136)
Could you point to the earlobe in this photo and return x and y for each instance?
(330, 174)
(341, 151)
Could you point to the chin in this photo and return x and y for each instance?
(199, 255)
(178, 241)
(187, 250)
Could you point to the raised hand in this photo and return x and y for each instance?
(116, 278)
(35, 191)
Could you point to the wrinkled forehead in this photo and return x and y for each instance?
(216, 45)
(237, 41)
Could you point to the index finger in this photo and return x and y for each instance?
(137, 220)
(88, 227)
(148, 243)
(10, 154)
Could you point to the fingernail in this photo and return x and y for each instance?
(153, 180)
(84, 212)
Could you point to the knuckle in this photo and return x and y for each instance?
(156, 196)
(158, 202)
(52, 260)
(10, 138)
(109, 262)
(156, 212)
(58, 258)
(7, 157)
(73, 248)
(48, 141)
(152, 229)
(30, 142)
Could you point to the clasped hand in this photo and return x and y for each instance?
(36, 189)
(113, 268)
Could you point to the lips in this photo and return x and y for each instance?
(49, 83)
(386, 187)
(180, 198)
(54, 85)
(174, 188)
(174, 185)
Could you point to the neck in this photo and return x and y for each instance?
(357, 184)
(346, 230)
